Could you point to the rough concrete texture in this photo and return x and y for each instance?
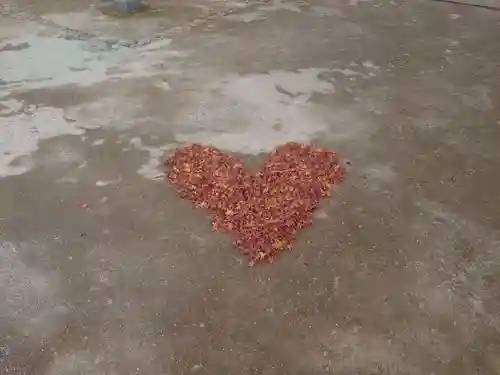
(103, 270)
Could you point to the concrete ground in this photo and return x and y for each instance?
(104, 270)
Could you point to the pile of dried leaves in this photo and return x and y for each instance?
(263, 208)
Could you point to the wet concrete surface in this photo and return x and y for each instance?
(103, 270)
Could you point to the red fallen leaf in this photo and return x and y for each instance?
(263, 208)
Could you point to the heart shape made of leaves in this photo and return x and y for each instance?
(263, 208)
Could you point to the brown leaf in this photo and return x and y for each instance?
(262, 209)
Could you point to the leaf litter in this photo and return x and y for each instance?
(263, 209)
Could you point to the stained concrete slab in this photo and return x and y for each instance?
(103, 270)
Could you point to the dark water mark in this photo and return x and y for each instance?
(14, 47)
(124, 8)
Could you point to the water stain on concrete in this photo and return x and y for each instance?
(78, 62)
(21, 134)
(275, 97)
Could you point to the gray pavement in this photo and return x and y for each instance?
(104, 270)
